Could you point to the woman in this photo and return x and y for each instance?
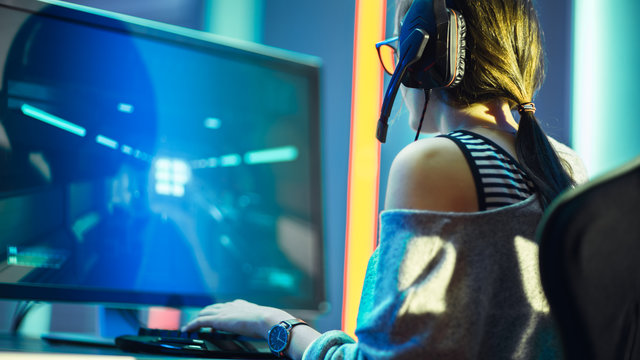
(455, 274)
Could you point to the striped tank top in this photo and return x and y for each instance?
(499, 179)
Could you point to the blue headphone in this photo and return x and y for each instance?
(431, 51)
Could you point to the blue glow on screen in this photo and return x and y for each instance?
(103, 140)
(126, 149)
(171, 176)
(125, 108)
(230, 160)
(212, 123)
(281, 154)
(53, 120)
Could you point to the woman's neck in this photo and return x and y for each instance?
(493, 115)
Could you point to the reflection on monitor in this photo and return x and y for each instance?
(150, 166)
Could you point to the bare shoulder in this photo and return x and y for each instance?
(431, 174)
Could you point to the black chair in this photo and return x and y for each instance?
(590, 265)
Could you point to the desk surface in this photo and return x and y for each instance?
(41, 349)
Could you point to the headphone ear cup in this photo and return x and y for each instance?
(457, 47)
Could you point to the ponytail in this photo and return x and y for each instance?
(538, 158)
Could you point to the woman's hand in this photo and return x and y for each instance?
(240, 317)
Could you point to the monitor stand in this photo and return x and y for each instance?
(93, 325)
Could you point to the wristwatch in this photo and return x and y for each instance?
(279, 336)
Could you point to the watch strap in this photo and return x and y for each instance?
(292, 322)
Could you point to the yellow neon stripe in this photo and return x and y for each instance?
(364, 159)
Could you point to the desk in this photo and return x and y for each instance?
(50, 351)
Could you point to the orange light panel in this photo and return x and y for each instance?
(364, 155)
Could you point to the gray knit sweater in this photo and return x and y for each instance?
(453, 286)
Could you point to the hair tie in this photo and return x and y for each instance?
(527, 107)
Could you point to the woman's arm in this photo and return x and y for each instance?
(245, 318)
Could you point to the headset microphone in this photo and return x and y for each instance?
(410, 52)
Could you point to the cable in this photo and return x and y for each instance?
(427, 94)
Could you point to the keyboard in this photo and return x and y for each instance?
(208, 344)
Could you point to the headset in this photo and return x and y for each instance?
(431, 50)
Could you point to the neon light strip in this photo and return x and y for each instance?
(280, 154)
(588, 82)
(103, 140)
(364, 158)
(53, 120)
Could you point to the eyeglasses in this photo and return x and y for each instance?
(388, 54)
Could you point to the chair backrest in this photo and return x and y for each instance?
(590, 265)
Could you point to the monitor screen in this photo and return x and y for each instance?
(147, 164)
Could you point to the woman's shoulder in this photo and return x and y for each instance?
(431, 174)
(433, 149)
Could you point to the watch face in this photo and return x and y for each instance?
(278, 339)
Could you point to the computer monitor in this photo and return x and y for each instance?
(147, 164)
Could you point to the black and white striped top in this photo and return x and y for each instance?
(499, 179)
